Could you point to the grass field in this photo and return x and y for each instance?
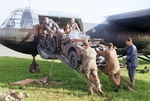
(14, 69)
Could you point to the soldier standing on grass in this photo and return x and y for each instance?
(89, 67)
(112, 67)
(132, 61)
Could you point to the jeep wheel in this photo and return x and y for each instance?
(53, 46)
(73, 60)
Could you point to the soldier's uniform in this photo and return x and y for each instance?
(112, 67)
(50, 24)
(88, 58)
(50, 28)
(72, 26)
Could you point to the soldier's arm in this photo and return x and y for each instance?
(80, 57)
(56, 25)
(121, 49)
(67, 29)
(77, 28)
(102, 53)
(132, 54)
(52, 31)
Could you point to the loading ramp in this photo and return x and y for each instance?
(46, 54)
(63, 59)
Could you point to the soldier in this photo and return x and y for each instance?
(71, 26)
(112, 67)
(89, 67)
(49, 26)
(132, 61)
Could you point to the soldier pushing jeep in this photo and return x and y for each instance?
(112, 67)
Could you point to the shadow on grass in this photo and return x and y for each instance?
(16, 69)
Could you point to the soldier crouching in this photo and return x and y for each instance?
(89, 67)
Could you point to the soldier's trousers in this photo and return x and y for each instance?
(115, 78)
(131, 73)
(92, 78)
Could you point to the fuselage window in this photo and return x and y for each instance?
(15, 21)
(21, 20)
(27, 20)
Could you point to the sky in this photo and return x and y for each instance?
(89, 10)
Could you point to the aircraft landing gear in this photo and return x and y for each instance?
(34, 67)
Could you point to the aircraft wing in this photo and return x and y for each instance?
(116, 28)
(134, 20)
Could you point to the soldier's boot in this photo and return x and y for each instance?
(99, 89)
(118, 87)
(91, 90)
(132, 82)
